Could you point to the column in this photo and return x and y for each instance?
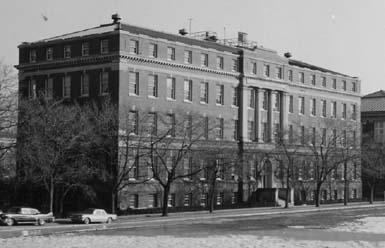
(270, 116)
(257, 114)
(283, 114)
(243, 116)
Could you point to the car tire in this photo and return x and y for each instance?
(109, 220)
(10, 222)
(40, 222)
(87, 221)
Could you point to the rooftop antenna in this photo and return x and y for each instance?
(224, 35)
(189, 25)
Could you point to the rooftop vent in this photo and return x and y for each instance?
(182, 32)
(116, 18)
(242, 37)
(287, 55)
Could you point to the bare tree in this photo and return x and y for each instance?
(179, 135)
(373, 160)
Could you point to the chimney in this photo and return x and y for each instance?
(287, 55)
(116, 18)
(242, 37)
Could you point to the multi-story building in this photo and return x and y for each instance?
(253, 90)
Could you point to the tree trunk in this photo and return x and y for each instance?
(51, 195)
(371, 194)
(317, 192)
(113, 201)
(346, 190)
(287, 187)
(166, 192)
(211, 195)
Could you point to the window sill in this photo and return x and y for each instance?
(205, 103)
(152, 97)
(219, 104)
(234, 106)
(187, 101)
(133, 94)
(171, 99)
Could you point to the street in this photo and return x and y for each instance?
(356, 226)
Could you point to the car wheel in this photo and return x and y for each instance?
(40, 222)
(109, 220)
(9, 221)
(87, 221)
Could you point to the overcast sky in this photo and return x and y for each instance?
(347, 36)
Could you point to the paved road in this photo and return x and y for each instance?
(177, 220)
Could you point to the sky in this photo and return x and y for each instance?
(347, 36)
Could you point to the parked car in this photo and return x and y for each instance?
(92, 215)
(16, 215)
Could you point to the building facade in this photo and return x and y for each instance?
(254, 92)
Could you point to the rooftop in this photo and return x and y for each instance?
(373, 102)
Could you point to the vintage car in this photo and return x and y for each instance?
(92, 215)
(18, 215)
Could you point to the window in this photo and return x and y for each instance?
(188, 57)
(354, 86)
(313, 107)
(324, 82)
(134, 201)
(234, 66)
(234, 198)
(170, 53)
(334, 137)
(220, 197)
(313, 135)
(343, 138)
(236, 126)
(153, 50)
(104, 46)
(204, 59)
(291, 104)
(153, 201)
(171, 123)
(220, 64)
(276, 132)
(206, 127)
(187, 168)
(278, 72)
(220, 128)
(133, 83)
(84, 85)
(324, 136)
(264, 131)
(133, 122)
(204, 197)
(323, 105)
(334, 84)
(302, 134)
(32, 88)
(204, 95)
(344, 85)
(290, 75)
(171, 200)
(253, 68)
(250, 130)
(301, 77)
(67, 51)
(220, 94)
(134, 171)
(265, 103)
(291, 134)
(153, 123)
(171, 88)
(153, 85)
(251, 97)
(344, 111)
(354, 112)
(66, 86)
(48, 88)
(32, 56)
(335, 194)
(187, 200)
(85, 49)
(188, 90)
(355, 171)
(49, 53)
(301, 105)
(354, 194)
(277, 101)
(266, 70)
(235, 96)
(104, 83)
(333, 109)
(313, 79)
(133, 47)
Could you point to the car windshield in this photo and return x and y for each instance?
(14, 210)
(89, 211)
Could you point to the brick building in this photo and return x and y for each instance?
(254, 91)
